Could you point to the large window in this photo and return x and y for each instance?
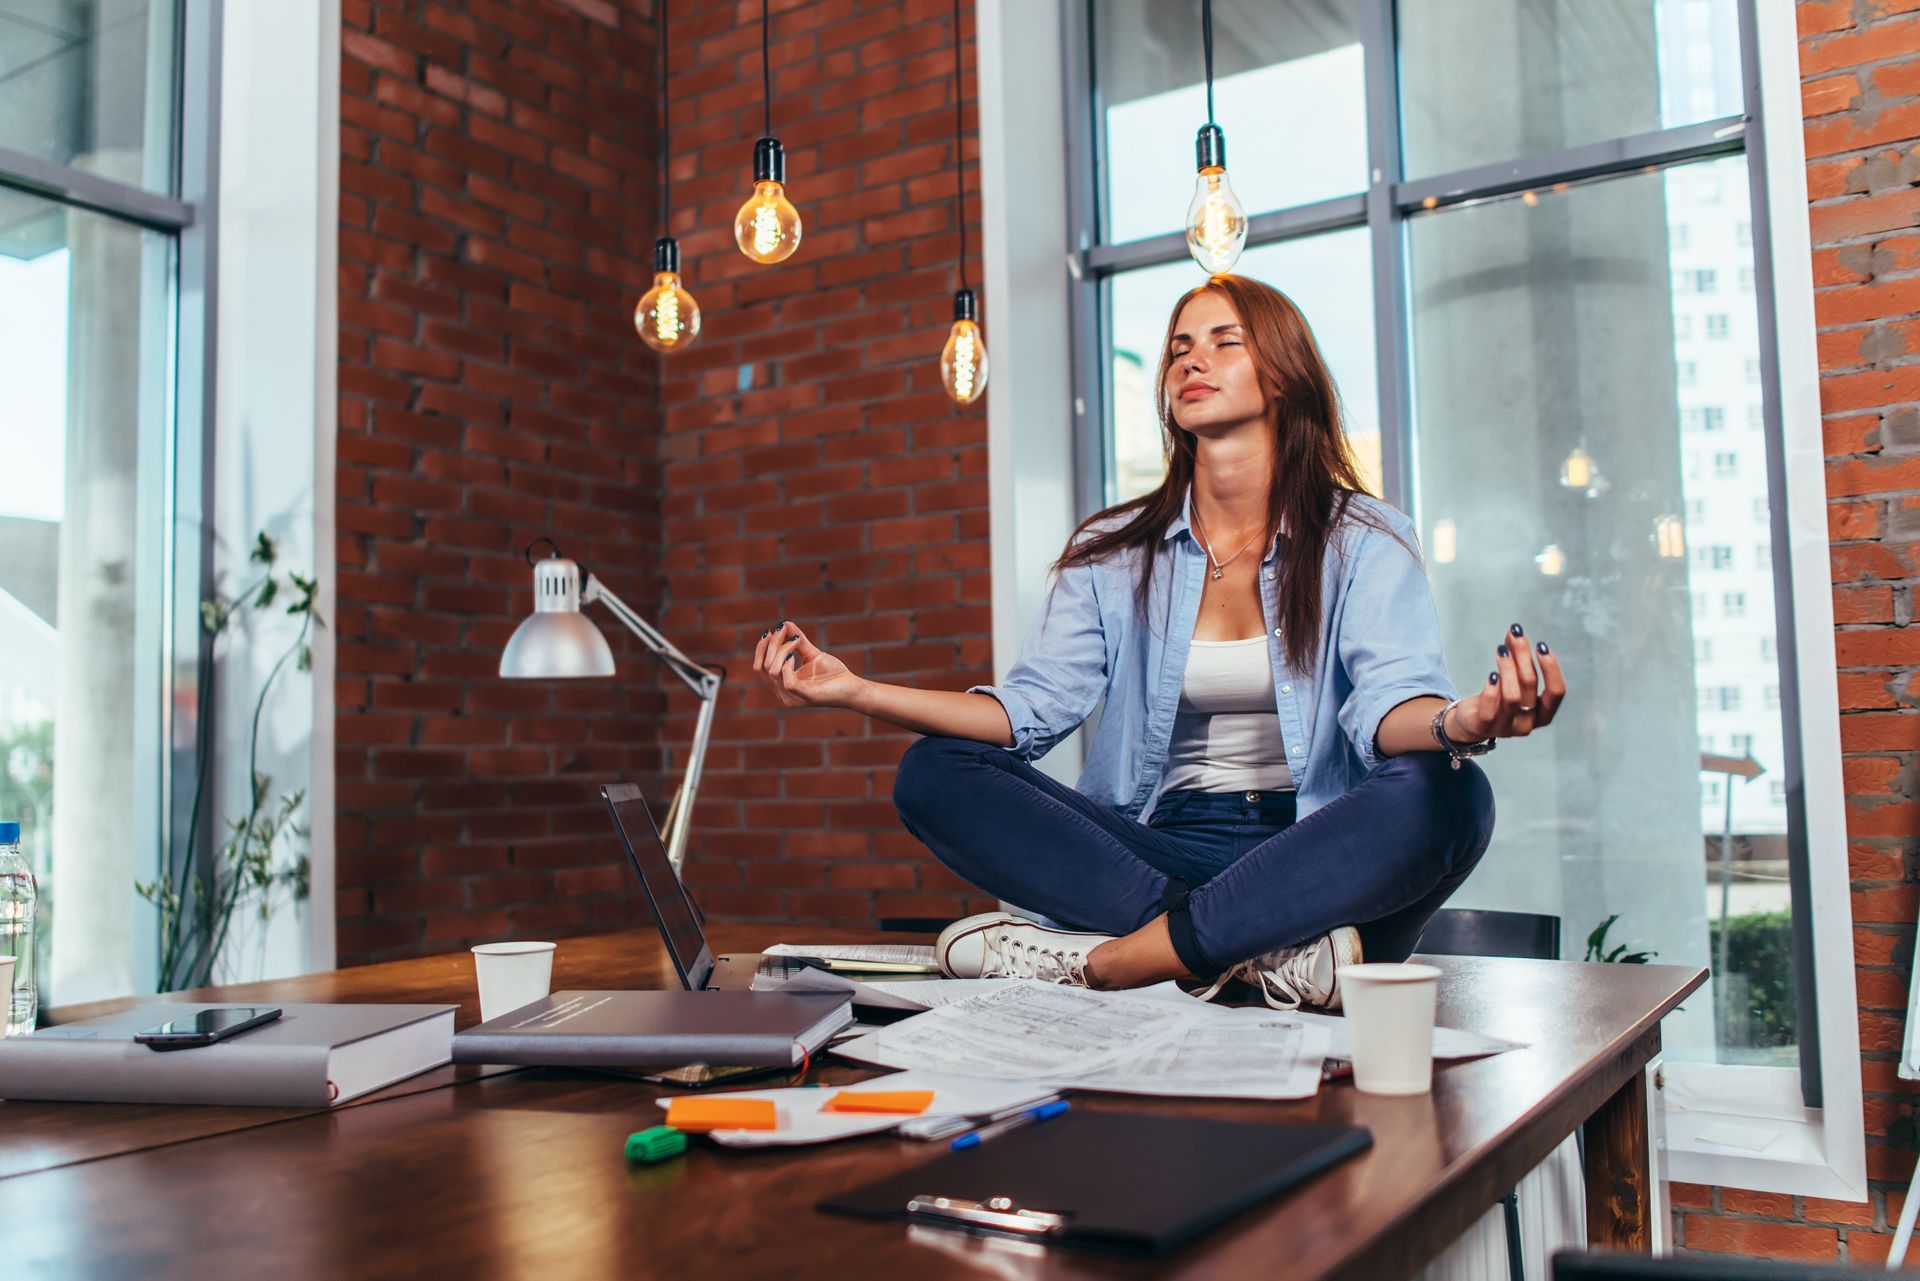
(1526, 237)
(91, 469)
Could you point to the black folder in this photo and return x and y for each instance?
(1107, 1180)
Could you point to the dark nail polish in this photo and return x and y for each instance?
(1493, 678)
(1502, 651)
(1542, 647)
(1516, 629)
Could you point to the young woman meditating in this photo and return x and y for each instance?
(1278, 783)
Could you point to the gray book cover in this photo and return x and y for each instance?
(658, 1029)
(311, 1056)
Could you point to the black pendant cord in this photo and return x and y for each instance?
(766, 74)
(666, 131)
(1206, 40)
(959, 150)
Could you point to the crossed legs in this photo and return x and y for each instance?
(1382, 857)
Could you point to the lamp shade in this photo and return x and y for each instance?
(557, 640)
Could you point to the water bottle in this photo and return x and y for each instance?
(19, 894)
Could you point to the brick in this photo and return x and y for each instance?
(1760, 1238)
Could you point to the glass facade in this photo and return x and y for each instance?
(1568, 396)
(87, 469)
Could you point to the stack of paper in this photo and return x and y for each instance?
(1152, 1041)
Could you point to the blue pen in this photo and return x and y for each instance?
(1045, 1112)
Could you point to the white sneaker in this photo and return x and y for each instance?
(1291, 977)
(1001, 945)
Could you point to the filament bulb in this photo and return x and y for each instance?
(667, 317)
(1216, 222)
(767, 228)
(963, 361)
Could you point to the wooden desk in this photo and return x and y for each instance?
(522, 1173)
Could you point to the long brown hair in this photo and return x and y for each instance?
(1315, 476)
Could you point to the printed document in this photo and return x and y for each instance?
(1021, 1030)
(1227, 1054)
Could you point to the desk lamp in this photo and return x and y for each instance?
(558, 642)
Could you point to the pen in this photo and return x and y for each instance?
(945, 1127)
(1045, 1112)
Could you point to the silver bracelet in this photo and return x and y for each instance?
(1457, 752)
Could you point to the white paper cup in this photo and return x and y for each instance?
(511, 975)
(1390, 1017)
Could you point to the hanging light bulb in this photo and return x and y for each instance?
(1551, 559)
(1216, 220)
(767, 228)
(1444, 539)
(1669, 536)
(963, 361)
(667, 317)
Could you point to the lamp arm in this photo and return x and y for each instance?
(702, 681)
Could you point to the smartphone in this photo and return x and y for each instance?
(206, 1027)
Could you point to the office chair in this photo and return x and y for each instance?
(1585, 1265)
(1462, 931)
(1474, 932)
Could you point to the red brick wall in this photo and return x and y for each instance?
(497, 209)
(813, 468)
(1860, 69)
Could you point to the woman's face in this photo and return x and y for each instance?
(1212, 384)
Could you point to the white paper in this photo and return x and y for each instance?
(932, 995)
(801, 1119)
(1019, 1029)
(1448, 1042)
(914, 954)
(1227, 1054)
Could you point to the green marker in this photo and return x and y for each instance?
(657, 1144)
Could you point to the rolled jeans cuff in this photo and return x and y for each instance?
(1173, 901)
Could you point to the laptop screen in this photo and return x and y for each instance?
(686, 944)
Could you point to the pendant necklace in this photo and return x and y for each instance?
(1206, 542)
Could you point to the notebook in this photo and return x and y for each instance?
(1108, 1180)
(311, 1056)
(659, 1029)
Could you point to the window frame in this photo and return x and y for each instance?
(178, 568)
(1818, 1106)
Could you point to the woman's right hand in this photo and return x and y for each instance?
(801, 673)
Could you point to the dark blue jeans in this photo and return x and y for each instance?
(1236, 876)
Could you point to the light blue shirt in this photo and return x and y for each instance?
(1380, 647)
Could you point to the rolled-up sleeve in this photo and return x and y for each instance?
(1389, 639)
(1061, 672)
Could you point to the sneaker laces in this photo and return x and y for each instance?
(1009, 957)
(1280, 977)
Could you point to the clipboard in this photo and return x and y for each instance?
(1111, 1181)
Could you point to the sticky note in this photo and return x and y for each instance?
(897, 1102)
(701, 1115)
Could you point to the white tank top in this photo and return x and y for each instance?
(1226, 733)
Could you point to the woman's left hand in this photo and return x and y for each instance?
(1517, 699)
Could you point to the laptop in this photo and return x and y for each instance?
(699, 969)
